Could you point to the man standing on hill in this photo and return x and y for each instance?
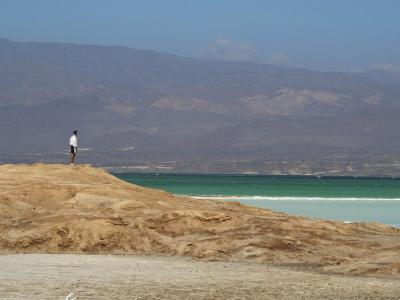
(73, 142)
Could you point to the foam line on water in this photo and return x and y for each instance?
(292, 198)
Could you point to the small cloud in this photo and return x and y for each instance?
(280, 59)
(224, 49)
(386, 67)
(227, 50)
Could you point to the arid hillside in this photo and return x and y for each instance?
(134, 107)
(80, 209)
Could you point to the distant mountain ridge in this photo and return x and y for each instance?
(164, 107)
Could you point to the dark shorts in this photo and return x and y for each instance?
(73, 150)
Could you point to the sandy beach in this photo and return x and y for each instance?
(43, 276)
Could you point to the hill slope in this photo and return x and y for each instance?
(136, 106)
(63, 209)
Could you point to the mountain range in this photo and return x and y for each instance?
(141, 110)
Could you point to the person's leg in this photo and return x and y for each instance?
(72, 155)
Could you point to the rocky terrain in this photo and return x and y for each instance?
(81, 209)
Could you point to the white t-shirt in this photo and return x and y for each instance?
(73, 141)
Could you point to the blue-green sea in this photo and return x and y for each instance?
(337, 198)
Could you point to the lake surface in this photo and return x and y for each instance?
(341, 198)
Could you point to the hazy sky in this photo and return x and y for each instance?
(319, 34)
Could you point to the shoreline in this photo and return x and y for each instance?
(288, 198)
(332, 199)
(280, 176)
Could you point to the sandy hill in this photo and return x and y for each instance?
(63, 209)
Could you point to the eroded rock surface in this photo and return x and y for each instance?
(63, 209)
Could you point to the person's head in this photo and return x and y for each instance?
(75, 132)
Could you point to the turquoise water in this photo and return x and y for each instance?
(345, 199)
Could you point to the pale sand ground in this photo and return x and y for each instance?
(54, 276)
